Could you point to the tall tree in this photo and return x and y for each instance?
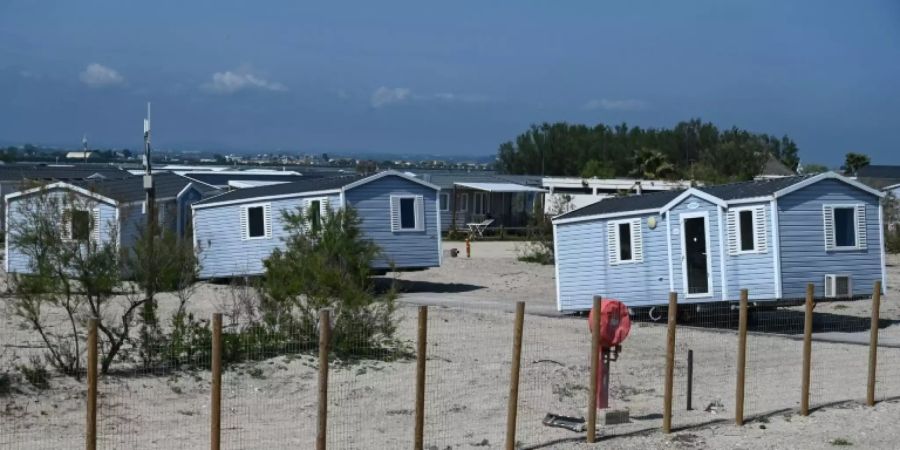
(855, 161)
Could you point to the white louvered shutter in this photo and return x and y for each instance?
(95, 224)
(733, 244)
(637, 241)
(67, 224)
(243, 220)
(759, 224)
(323, 207)
(828, 217)
(420, 213)
(861, 226)
(267, 219)
(612, 242)
(395, 213)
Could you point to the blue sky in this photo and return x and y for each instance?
(451, 78)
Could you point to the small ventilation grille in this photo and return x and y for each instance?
(837, 286)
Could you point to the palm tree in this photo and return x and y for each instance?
(651, 164)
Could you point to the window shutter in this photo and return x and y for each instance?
(67, 224)
(759, 219)
(267, 219)
(861, 226)
(244, 235)
(395, 213)
(95, 224)
(323, 207)
(733, 244)
(612, 242)
(828, 213)
(637, 241)
(420, 213)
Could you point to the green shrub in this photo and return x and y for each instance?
(36, 373)
(6, 384)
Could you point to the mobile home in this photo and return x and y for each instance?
(770, 236)
(235, 232)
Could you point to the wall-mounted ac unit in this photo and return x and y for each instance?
(838, 286)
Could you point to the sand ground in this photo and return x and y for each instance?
(272, 403)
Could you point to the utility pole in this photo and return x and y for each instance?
(148, 174)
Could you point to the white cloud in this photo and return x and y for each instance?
(616, 105)
(229, 82)
(384, 96)
(97, 75)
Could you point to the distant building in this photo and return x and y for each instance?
(80, 155)
(774, 168)
(568, 193)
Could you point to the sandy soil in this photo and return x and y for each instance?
(272, 403)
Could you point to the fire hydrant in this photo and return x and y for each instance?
(614, 327)
(468, 247)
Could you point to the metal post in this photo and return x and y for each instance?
(873, 344)
(513, 405)
(670, 363)
(807, 349)
(324, 340)
(91, 425)
(215, 411)
(741, 361)
(421, 347)
(595, 363)
(690, 380)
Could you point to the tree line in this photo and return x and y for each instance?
(690, 150)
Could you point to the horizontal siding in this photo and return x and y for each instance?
(803, 256)
(17, 261)
(752, 271)
(222, 252)
(402, 249)
(584, 269)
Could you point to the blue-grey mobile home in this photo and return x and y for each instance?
(235, 232)
(101, 210)
(771, 236)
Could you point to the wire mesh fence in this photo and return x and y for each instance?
(271, 387)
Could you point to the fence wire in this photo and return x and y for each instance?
(270, 381)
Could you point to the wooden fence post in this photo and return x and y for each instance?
(421, 348)
(690, 380)
(215, 409)
(595, 363)
(324, 341)
(513, 405)
(670, 363)
(90, 434)
(807, 349)
(741, 361)
(873, 344)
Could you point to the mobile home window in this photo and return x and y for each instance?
(478, 200)
(80, 225)
(315, 215)
(845, 227)
(625, 241)
(463, 202)
(256, 222)
(445, 202)
(408, 213)
(748, 241)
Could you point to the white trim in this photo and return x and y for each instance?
(776, 247)
(342, 199)
(6, 236)
(669, 247)
(62, 185)
(723, 276)
(635, 258)
(266, 221)
(884, 285)
(440, 194)
(891, 187)
(556, 269)
(825, 176)
(264, 198)
(696, 193)
(755, 222)
(856, 228)
(440, 244)
(119, 230)
(639, 212)
(741, 201)
(417, 227)
(684, 278)
(183, 191)
(387, 173)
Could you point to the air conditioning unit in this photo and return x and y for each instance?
(838, 286)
